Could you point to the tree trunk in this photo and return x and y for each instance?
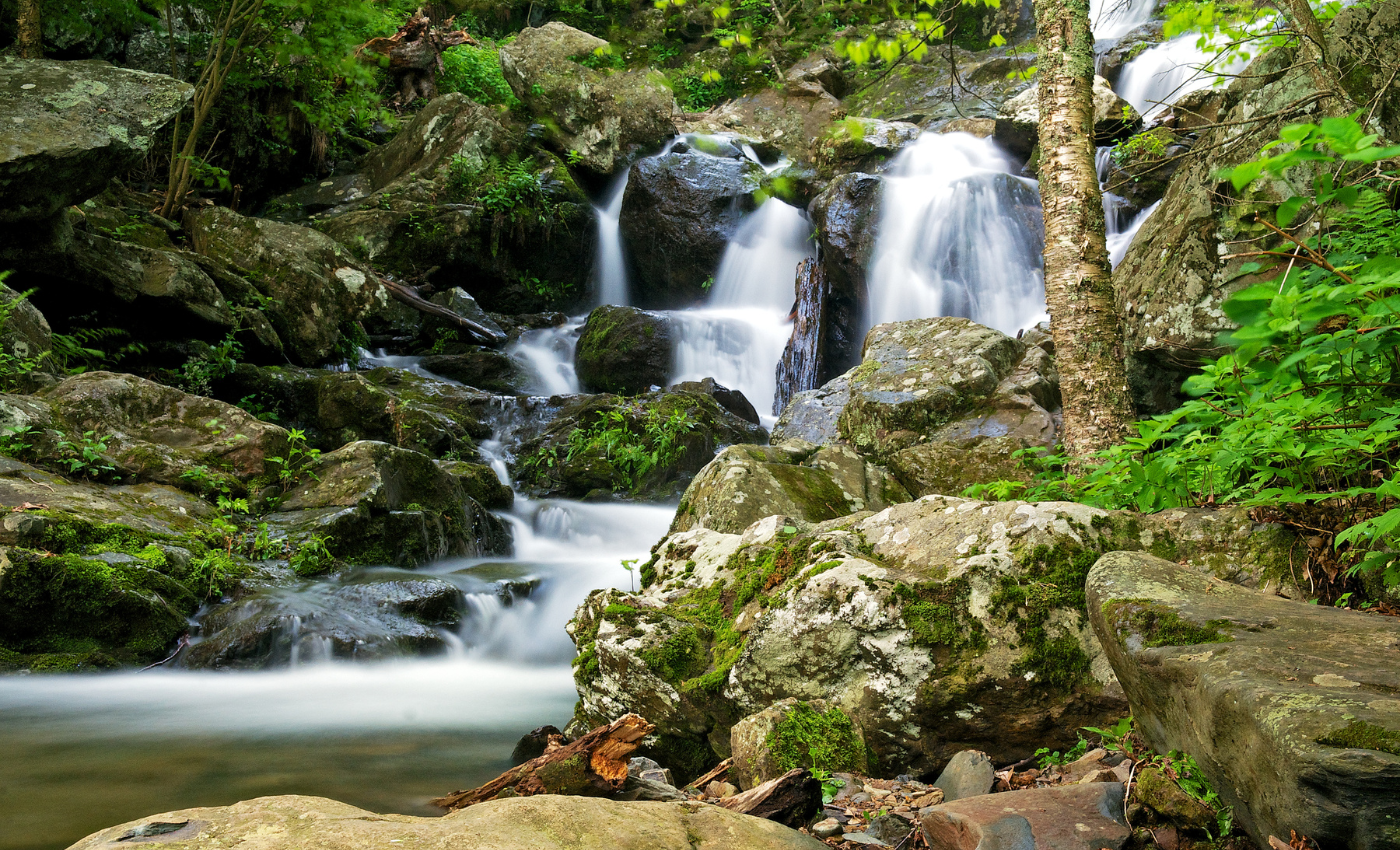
(1078, 276)
(595, 764)
(1312, 42)
(31, 33)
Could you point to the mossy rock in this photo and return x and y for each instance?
(624, 350)
(792, 733)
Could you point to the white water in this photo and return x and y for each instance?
(1113, 19)
(958, 237)
(1120, 242)
(1167, 72)
(548, 355)
(610, 266)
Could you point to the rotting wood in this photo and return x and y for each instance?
(791, 799)
(479, 333)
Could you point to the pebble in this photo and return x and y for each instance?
(828, 828)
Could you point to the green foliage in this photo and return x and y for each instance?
(825, 740)
(514, 192)
(198, 374)
(85, 349)
(83, 455)
(297, 462)
(1143, 146)
(18, 442)
(1182, 769)
(1118, 739)
(14, 366)
(261, 407)
(476, 73)
(1234, 30)
(634, 445)
(1049, 759)
(350, 345)
(313, 557)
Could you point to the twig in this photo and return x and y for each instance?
(179, 645)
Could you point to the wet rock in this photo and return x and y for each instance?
(968, 774)
(318, 196)
(747, 483)
(481, 483)
(597, 116)
(26, 335)
(1128, 48)
(380, 504)
(751, 742)
(731, 400)
(846, 217)
(624, 350)
(811, 416)
(315, 288)
(520, 823)
(1019, 119)
(459, 301)
(1297, 740)
(1069, 817)
(863, 144)
(532, 744)
(72, 126)
(678, 213)
(481, 369)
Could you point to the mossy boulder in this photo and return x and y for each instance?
(936, 625)
(792, 733)
(481, 483)
(595, 115)
(744, 484)
(72, 126)
(624, 350)
(923, 92)
(1303, 729)
(381, 504)
(480, 368)
(26, 335)
(679, 211)
(863, 144)
(314, 288)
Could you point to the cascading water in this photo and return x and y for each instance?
(959, 236)
(738, 338)
(610, 267)
(1165, 73)
(548, 354)
(1112, 19)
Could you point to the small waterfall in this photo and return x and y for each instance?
(959, 236)
(610, 268)
(548, 353)
(1112, 19)
(1163, 74)
(1121, 241)
(739, 338)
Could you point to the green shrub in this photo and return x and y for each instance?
(824, 740)
(476, 73)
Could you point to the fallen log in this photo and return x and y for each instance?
(480, 334)
(791, 799)
(593, 765)
(720, 771)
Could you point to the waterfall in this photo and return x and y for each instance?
(1165, 73)
(610, 269)
(1112, 19)
(548, 354)
(739, 337)
(1119, 242)
(959, 236)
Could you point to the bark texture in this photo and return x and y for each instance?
(1078, 276)
(415, 54)
(791, 799)
(31, 34)
(594, 765)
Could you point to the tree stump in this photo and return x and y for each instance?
(415, 54)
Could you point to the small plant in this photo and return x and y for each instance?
(1117, 739)
(16, 361)
(630, 565)
(228, 521)
(1182, 769)
(1144, 146)
(264, 547)
(202, 480)
(265, 410)
(297, 462)
(84, 455)
(17, 442)
(198, 374)
(313, 557)
(442, 338)
(831, 786)
(1049, 759)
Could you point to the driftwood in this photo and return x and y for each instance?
(415, 54)
(593, 765)
(791, 799)
(720, 770)
(479, 333)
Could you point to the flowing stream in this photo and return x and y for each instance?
(959, 235)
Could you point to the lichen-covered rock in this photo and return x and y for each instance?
(547, 465)
(744, 484)
(597, 115)
(314, 287)
(812, 415)
(863, 144)
(937, 625)
(1288, 708)
(72, 126)
(924, 92)
(792, 119)
(792, 733)
(384, 404)
(678, 213)
(380, 504)
(158, 433)
(544, 822)
(624, 350)
(26, 335)
(1018, 120)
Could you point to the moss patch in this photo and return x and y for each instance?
(936, 614)
(1161, 626)
(824, 740)
(1365, 736)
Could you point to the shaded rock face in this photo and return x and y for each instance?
(314, 285)
(26, 335)
(744, 484)
(937, 625)
(845, 217)
(624, 350)
(597, 116)
(1018, 119)
(380, 504)
(1214, 670)
(358, 621)
(678, 212)
(545, 822)
(71, 126)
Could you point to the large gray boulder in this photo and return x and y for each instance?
(545, 822)
(678, 214)
(937, 625)
(597, 115)
(72, 126)
(1288, 708)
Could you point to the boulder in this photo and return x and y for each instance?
(812, 415)
(385, 404)
(545, 822)
(320, 196)
(597, 115)
(791, 734)
(158, 433)
(380, 504)
(1066, 817)
(793, 119)
(968, 774)
(733, 401)
(925, 93)
(678, 213)
(312, 286)
(154, 293)
(451, 129)
(624, 350)
(480, 368)
(548, 463)
(1018, 120)
(744, 484)
(25, 335)
(863, 144)
(72, 126)
(845, 218)
(938, 625)
(1288, 708)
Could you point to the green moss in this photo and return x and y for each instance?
(865, 370)
(1365, 736)
(824, 740)
(679, 657)
(936, 614)
(1161, 626)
